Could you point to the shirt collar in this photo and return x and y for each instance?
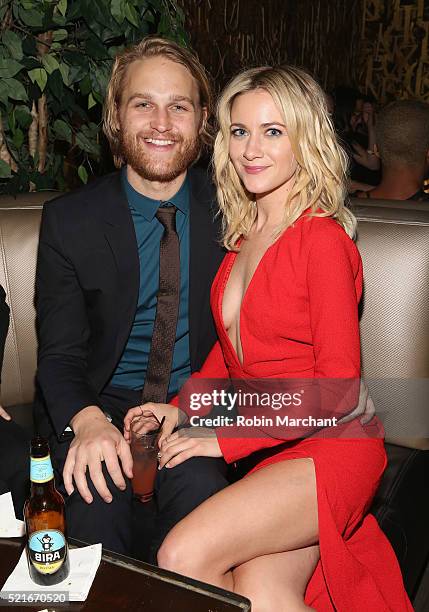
(147, 207)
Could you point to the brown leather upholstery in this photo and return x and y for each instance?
(394, 243)
(374, 202)
(19, 230)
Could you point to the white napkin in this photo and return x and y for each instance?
(84, 563)
(10, 527)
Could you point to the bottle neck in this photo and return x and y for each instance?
(41, 475)
(39, 489)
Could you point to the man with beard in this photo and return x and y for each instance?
(97, 291)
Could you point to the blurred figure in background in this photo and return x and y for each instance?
(354, 120)
(402, 136)
(13, 441)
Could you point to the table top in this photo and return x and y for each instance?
(122, 583)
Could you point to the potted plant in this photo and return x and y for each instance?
(55, 62)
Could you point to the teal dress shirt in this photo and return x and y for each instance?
(131, 369)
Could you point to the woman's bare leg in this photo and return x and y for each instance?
(273, 510)
(277, 582)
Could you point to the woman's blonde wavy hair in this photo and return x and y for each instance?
(322, 164)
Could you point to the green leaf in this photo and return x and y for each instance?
(39, 76)
(5, 171)
(91, 101)
(149, 16)
(31, 17)
(59, 20)
(56, 85)
(76, 73)
(3, 10)
(60, 34)
(94, 48)
(18, 138)
(8, 68)
(117, 9)
(50, 63)
(62, 7)
(65, 73)
(83, 174)
(132, 15)
(99, 75)
(76, 57)
(98, 97)
(29, 48)
(11, 121)
(62, 130)
(23, 116)
(15, 89)
(85, 86)
(13, 43)
(85, 139)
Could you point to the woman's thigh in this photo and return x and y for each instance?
(272, 510)
(278, 581)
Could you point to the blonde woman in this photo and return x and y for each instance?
(293, 534)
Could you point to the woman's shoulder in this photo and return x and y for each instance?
(325, 234)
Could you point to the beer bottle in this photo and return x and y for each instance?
(47, 552)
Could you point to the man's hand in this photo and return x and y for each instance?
(147, 417)
(5, 415)
(187, 443)
(96, 440)
(364, 409)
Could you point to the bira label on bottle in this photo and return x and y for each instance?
(41, 469)
(47, 550)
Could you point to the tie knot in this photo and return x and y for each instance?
(166, 214)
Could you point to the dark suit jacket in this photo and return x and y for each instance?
(87, 285)
(4, 323)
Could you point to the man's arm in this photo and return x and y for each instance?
(63, 327)
(64, 333)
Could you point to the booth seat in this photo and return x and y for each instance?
(394, 243)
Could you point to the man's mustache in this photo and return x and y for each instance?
(171, 136)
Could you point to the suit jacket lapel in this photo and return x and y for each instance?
(120, 234)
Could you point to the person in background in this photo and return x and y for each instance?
(294, 533)
(98, 288)
(14, 443)
(354, 120)
(402, 144)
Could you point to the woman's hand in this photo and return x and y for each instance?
(366, 158)
(187, 443)
(148, 417)
(5, 415)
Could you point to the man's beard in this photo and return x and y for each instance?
(156, 170)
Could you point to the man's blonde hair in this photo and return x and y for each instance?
(152, 46)
(321, 162)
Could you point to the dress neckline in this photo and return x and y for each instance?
(229, 265)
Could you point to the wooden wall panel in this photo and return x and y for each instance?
(320, 35)
(394, 60)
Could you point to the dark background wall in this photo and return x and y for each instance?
(394, 58)
(321, 35)
(379, 45)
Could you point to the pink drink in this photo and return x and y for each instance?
(145, 463)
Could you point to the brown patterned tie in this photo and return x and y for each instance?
(167, 310)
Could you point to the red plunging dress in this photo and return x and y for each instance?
(299, 319)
